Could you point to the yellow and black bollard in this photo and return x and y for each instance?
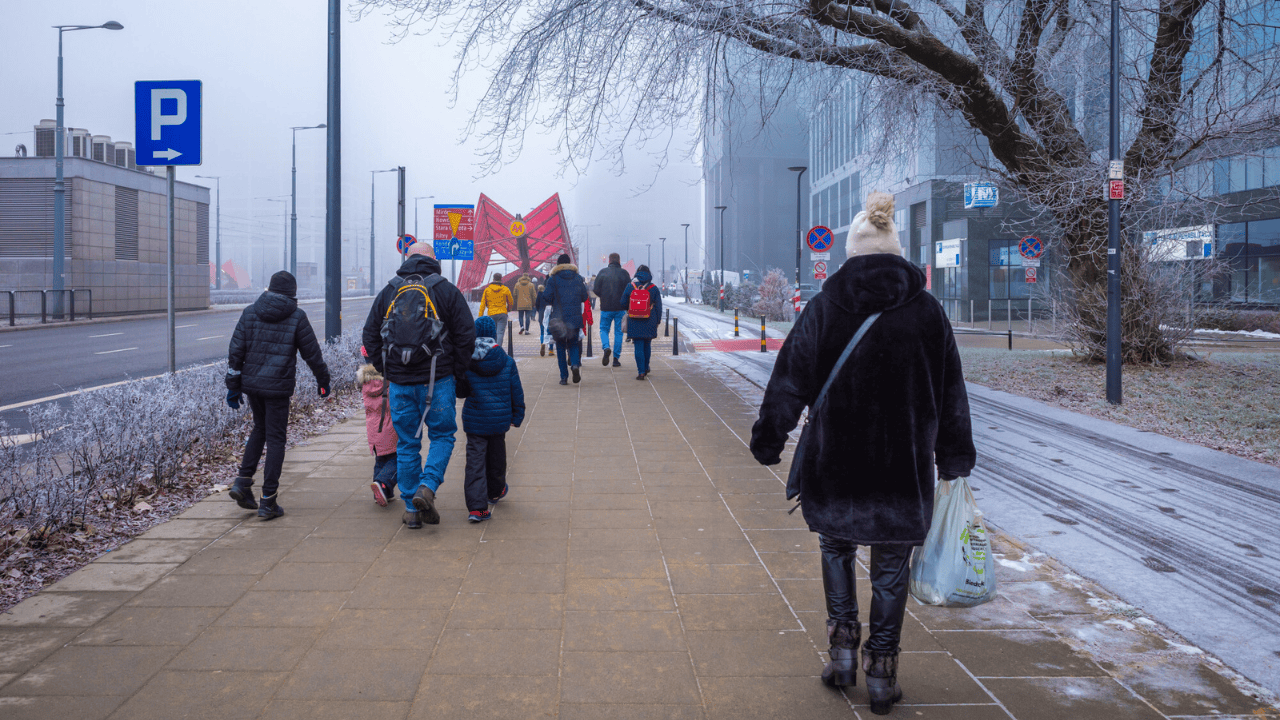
(763, 346)
(735, 322)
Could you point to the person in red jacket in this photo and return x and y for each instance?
(380, 430)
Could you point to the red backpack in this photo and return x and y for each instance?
(641, 302)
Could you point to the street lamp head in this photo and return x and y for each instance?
(112, 25)
(797, 169)
(722, 207)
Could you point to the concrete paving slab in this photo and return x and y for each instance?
(21, 648)
(297, 608)
(59, 706)
(154, 551)
(1069, 698)
(110, 577)
(628, 677)
(347, 674)
(444, 697)
(134, 625)
(259, 649)
(201, 696)
(63, 609)
(470, 652)
(91, 670)
(294, 709)
(194, 529)
(195, 591)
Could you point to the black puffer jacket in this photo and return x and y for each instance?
(460, 329)
(264, 348)
(610, 284)
(897, 407)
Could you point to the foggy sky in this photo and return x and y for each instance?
(263, 68)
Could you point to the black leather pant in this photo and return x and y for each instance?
(890, 572)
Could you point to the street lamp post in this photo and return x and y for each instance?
(333, 181)
(721, 208)
(648, 256)
(217, 243)
(1114, 395)
(373, 173)
(684, 282)
(799, 231)
(293, 213)
(664, 265)
(59, 184)
(415, 214)
(284, 260)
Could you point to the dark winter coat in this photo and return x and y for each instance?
(459, 326)
(897, 406)
(262, 357)
(565, 292)
(609, 286)
(638, 329)
(497, 397)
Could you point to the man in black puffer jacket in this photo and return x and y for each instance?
(411, 393)
(610, 284)
(262, 363)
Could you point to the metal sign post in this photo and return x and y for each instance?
(167, 132)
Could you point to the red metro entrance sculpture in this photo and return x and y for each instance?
(525, 241)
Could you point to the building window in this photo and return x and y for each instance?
(1252, 249)
(1007, 276)
(202, 233)
(126, 223)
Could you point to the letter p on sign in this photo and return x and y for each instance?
(159, 118)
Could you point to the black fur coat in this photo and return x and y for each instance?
(897, 406)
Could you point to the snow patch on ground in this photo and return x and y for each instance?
(1188, 649)
(1023, 565)
(1249, 333)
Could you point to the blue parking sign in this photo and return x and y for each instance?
(167, 122)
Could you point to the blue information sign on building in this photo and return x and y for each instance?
(167, 122)
(981, 195)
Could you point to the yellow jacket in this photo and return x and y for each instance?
(496, 300)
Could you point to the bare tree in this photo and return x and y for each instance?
(1201, 80)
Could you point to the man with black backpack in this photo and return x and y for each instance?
(420, 335)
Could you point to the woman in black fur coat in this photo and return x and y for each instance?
(896, 409)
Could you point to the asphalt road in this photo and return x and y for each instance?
(44, 362)
(1183, 533)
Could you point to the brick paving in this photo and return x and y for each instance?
(642, 566)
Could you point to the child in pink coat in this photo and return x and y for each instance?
(382, 434)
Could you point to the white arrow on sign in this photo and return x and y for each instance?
(166, 154)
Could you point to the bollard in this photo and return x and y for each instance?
(764, 347)
(44, 306)
(1010, 339)
(988, 314)
(72, 295)
(589, 351)
(13, 310)
(666, 326)
(735, 322)
(510, 342)
(675, 337)
(970, 313)
(1008, 314)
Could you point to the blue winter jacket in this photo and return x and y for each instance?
(497, 397)
(565, 292)
(643, 329)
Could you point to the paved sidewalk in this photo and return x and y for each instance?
(643, 566)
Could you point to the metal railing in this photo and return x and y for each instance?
(44, 304)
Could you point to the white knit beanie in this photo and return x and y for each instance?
(872, 230)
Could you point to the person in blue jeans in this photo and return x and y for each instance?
(566, 292)
(642, 329)
(609, 285)
(417, 393)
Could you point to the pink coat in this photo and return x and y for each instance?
(371, 384)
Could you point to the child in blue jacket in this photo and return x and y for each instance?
(496, 403)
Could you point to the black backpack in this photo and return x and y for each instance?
(412, 326)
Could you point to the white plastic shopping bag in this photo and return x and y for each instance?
(954, 567)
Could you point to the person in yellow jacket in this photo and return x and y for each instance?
(526, 299)
(496, 301)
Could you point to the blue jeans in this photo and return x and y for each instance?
(644, 351)
(407, 404)
(573, 349)
(614, 318)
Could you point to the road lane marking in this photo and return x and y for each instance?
(108, 352)
(59, 396)
(106, 335)
(211, 337)
(179, 327)
(5, 346)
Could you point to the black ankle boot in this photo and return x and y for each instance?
(881, 670)
(242, 493)
(843, 637)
